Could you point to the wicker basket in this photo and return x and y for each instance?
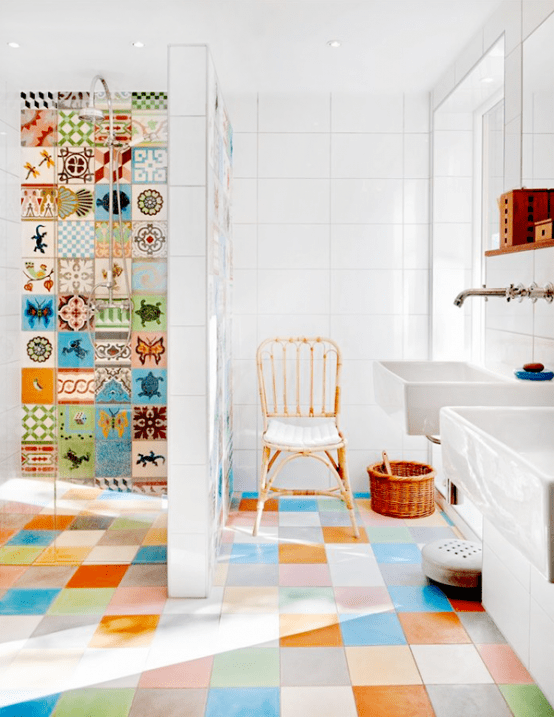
(408, 493)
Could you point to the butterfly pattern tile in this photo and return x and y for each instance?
(38, 313)
(113, 422)
(149, 349)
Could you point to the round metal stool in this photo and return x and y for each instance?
(453, 562)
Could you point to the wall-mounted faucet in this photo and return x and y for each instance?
(519, 292)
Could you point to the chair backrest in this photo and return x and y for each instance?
(299, 377)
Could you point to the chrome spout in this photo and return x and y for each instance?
(462, 296)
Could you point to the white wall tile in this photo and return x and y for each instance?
(293, 325)
(368, 336)
(245, 246)
(243, 111)
(187, 298)
(452, 245)
(187, 486)
(366, 155)
(293, 201)
(416, 338)
(188, 356)
(416, 112)
(293, 291)
(453, 153)
(444, 86)
(512, 154)
(245, 381)
(367, 113)
(533, 14)
(187, 208)
(416, 201)
(187, 136)
(367, 246)
(369, 428)
(506, 351)
(245, 291)
(293, 112)
(469, 56)
(245, 155)
(366, 291)
(416, 291)
(187, 563)
(512, 84)
(244, 200)
(507, 20)
(366, 201)
(357, 382)
(245, 335)
(416, 246)
(187, 429)
(416, 156)
(246, 465)
(452, 200)
(187, 80)
(291, 154)
(294, 246)
(245, 433)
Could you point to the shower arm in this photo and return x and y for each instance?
(510, 293)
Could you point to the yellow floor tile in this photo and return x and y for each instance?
(382, 665)
(125, 631)
(69, 556)
(251, 600)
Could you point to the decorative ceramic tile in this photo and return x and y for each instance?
(76, 458)
(39, 460)
(149, 349)
(122, 165)
(72, 100)
(39, 350)
(39, 201)
(75, 276)
(149, 386)
(38, 239)
(149, 101)
(38, 100)
(74, 313)
(101, 205)
(151, 314)
(150, 165)
(39, 424)
(121, 128)
(149, 276)
(72, 131)
(102, 242)
(76, 239)
(120, 100)
(149, 459)
(37, 165)
(113, 423)
(113, 384)
(75, 385)
(113, 458)
(149, 486)
(37, 385)
(149, 202)
(114, 319)
(150, 239)
(39, 313)
(111, 348)
(76, 165)
(149, 423)
(39, 276)
(101, 275)
(75, 350)
(150, 129)
(39, 127)
(75, 203)
(76, 422)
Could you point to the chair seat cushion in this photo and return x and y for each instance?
(287, 434)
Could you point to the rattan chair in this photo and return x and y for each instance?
(299, 382)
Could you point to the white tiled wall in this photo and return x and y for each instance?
(10, 270)
(331, 237)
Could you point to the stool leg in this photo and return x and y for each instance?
(262, 490)
(343, 472)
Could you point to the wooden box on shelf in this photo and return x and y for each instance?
(520, 210)
(543, 230)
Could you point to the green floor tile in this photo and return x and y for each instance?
(19, 554)
(331, 504)
(400, 534)
(81, 601)
(130, 523)
(307, 600)
(252, 667)
(95, 703)
(526, 701)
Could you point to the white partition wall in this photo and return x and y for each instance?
(199, 402)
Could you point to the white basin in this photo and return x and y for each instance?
(413, 392)
(503, 460)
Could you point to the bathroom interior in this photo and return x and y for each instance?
(179, 183)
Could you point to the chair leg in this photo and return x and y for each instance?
(262, 490)
(343, 472)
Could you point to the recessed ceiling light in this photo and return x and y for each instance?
(487, 79)
(334, 43)
(13, 44)
(138, 43)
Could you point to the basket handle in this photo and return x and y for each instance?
(386, 463)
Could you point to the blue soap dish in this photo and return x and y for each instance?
(534, 375)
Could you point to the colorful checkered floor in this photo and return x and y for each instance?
(303, 620)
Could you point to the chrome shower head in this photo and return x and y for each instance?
(91, 114)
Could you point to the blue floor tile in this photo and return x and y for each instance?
(377, 629)
(27, 601)
(295, 505)
(151, 554)
(41, 707)
(366, 496)
(243, 702)
(34, 537)
(250, 494)
(419, 598)
(396, 552)
(254, 553)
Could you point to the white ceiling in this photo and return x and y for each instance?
(263, 45)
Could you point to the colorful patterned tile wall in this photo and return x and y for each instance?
(94, 386)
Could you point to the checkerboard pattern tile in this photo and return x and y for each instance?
(75, 239)
(297, 623)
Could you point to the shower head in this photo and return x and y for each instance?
(91, 114)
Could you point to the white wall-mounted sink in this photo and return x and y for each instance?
(413, 392)
(503, 460)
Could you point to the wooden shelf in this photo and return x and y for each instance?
(520, 247)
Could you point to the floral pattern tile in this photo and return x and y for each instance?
(74, 313)
(38, 349)
(76, 165)
(149, 423)
(75, 276)
(39, 127)
(113, 384)
(149, 202)
(112, 348)
(150, 239)
(102, 240)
